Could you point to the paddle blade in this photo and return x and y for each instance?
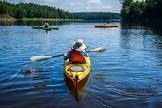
(99, 49)
(39, 58)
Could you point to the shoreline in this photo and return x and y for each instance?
(8, 19)
(52, 19)
(37, 19)
(47, 19)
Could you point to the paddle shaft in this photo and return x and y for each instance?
(41, 58)
(63, 54)
(58, 55)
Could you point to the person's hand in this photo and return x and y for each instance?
(66, 52)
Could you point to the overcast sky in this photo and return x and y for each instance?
(79, 5)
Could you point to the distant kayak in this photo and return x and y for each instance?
(49, 28)
(106, 25)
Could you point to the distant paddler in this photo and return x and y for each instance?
(46, 25)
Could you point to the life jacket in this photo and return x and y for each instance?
(76, 57)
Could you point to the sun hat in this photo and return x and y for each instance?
(79, 45)
(80, 41)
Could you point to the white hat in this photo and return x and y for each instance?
(80, 41)
(79, 45)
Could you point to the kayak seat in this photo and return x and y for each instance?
(76, 69)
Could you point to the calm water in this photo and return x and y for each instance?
(127, 75)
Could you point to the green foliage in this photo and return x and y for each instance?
(30, 10)
(141, 10)
(96, 15)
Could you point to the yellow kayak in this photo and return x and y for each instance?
(77, 75)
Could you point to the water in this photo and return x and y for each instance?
(127, 75)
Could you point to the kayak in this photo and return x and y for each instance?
(77, 76)
(77, 72)
(106, 26)
(77, 92)
(42, 27)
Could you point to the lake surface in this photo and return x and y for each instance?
(127, 75)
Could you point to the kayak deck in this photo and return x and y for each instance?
(78, 79)
(79, 74)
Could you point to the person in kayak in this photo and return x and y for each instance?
(46, 25)
(77, 53)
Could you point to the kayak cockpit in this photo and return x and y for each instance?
(76, 68)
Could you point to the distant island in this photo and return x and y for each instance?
(97, 16)
(30, 11)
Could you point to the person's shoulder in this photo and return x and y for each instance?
(70, 50)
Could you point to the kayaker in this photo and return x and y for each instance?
(77, 52)
(46, 25)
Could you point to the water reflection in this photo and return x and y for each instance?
(38, 77)
(133, 38)
(140, 48)
(7, 23)
(143, 39)
(127, 75)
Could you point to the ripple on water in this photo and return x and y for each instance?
(127, 74)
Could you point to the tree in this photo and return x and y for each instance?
(145, 10)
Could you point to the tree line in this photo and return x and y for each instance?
(30, 10)
(96, 15)
(143, 10)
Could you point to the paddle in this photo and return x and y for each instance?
(99, 49)
(41, 58)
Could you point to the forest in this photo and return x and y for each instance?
(30, 10)
(142, 10)
(96, 15)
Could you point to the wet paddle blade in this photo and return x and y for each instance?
(39, 58)
(99, 49)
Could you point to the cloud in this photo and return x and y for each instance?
(71, 3)
(42, 2)
(98, 5)
(95, 1)
(78, 5)
(106, 7)
(88, 8)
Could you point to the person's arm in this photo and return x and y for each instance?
(67, 55)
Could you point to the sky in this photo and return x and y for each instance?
(78, 5)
